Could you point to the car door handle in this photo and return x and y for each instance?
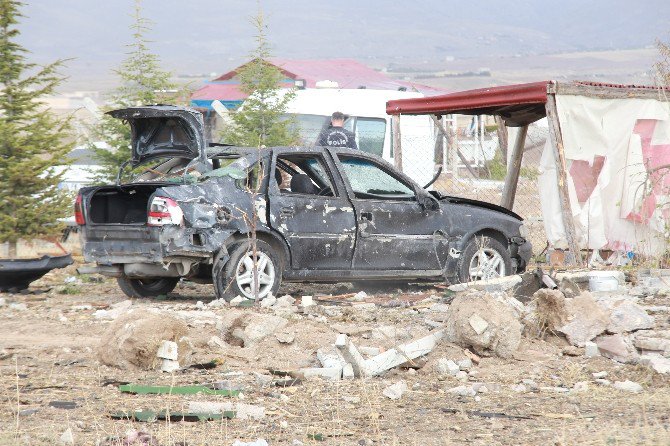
(286, 212)
(366, 216)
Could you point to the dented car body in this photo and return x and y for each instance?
(245, 219)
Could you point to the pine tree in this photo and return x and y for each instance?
(33, 140)
(261, 120)
(142, 82)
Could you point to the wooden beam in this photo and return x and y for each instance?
(562, 179)
(397, 146)
(609, 92)
(442, 130)
(513, 169)
(501, 130)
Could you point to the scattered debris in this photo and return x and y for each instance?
(167, 352)
(285, 336)
(387, 360)
(591, 349)
(115, 310)
(477, 413)
(659, 363)
(585, 320)
(175, 390)
(628, 386)
(248, 328)
(446, 367)
(17, 274)
(174, 416)
(132, 437)
(236, 301)
(63, 404)
(395, 391)
(617, 347)
(67, 437)
(258, 442)
(360, 296)
(484, 323)
(242, 411)
(627, 316)
(133, 339)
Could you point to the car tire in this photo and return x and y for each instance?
(234, 277)
(141, 288)
(484, 258)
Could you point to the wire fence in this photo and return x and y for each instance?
(474, 165)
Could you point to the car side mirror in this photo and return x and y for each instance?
(427, 201)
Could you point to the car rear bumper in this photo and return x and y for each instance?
(120, 244)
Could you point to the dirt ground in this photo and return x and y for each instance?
(48, 354)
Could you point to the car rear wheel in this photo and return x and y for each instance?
(139, 288)
(484, 258)
(237, 277)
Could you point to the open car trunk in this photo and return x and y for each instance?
(127, 204)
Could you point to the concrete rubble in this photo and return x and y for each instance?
(564, 342)
(487, 324)
(395, 391)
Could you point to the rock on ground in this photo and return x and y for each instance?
(617, 347)
(628, 316)
(247, 328)
(133, 339)
(396, 390)
(586, 320)
(657, 362)
(628, 386)
(480, 321)
(654, 341)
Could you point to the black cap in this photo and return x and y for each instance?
(338, 116)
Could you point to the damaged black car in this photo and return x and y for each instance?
(246, 219)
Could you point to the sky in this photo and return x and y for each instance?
(206, 36)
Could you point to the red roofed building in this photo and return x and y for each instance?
(306, 73)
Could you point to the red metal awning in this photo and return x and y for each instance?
(518, 104)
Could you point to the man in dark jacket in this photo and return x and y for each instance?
(336, 135)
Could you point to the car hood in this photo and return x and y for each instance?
(481, 204)
(159, 131)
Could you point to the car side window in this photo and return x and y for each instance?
(369, 180)
(304, 175)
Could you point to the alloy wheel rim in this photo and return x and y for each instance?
(487, 263)
(245, 275)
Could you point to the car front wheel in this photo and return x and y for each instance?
(484, 258)
(243, 272)
(139, 288)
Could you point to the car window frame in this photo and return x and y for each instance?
(274, 189)
(383, 166)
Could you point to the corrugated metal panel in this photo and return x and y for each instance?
(472, 100)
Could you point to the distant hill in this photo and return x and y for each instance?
(201, 36)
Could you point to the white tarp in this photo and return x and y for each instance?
(612, 147)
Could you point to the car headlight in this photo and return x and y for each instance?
(523, 231)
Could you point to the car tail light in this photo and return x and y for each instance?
(79, 211)
(164, 211)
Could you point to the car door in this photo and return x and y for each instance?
(310, 208)
(394, 230)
